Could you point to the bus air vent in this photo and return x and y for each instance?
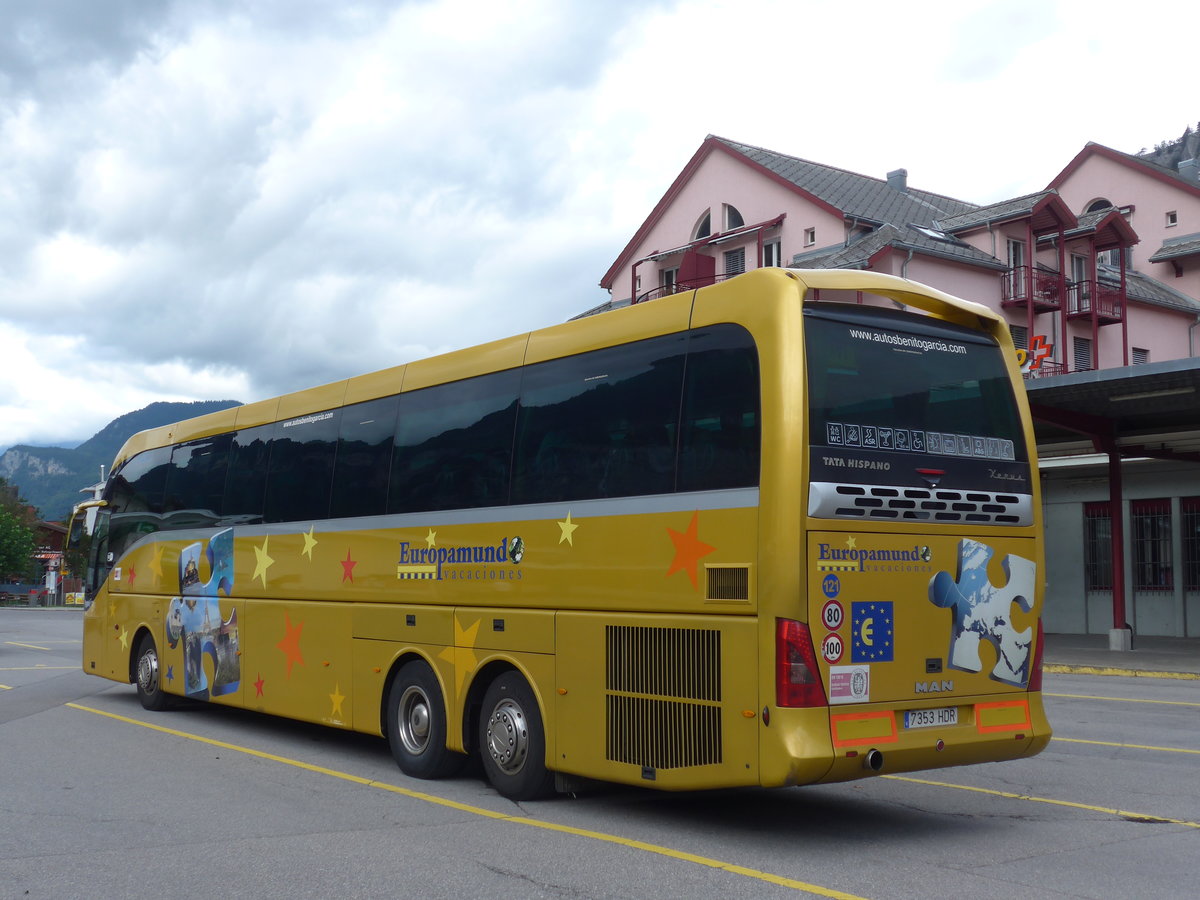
(829, 500)
(663, 694)
(728, 583)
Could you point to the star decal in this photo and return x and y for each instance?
(431, 539)
(462, 654)
(568, 530)
(171, 674)
(689, 549)
(258, 686)
(132, 575)
(156, 563)
(262, 562)
(851, 542)
(124, 639)
(309, 543)
(290, 645)
(348, 565)
(336, 698)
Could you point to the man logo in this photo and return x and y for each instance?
(934, 687)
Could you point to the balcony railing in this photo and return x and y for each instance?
(1082, 296)
(1016, 289)
(1045, 369)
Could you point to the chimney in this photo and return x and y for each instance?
(1190, 169)
(897, 180)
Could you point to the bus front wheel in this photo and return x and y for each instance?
(512, 741)
(148, 676)
(416, 724)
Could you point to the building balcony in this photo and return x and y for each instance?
(1041, 288)
(1086, 297)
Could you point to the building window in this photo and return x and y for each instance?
(703, 226)
(1151, 523)
(1141, 356)
(1098, 204)
(733, 218)
(810, 237)
(667, 279)
(772, 254)
(735, 261)
(1097, 547)
(1020, 336)
(1189, 510)
(1016, 254)
(1172, 218)
(1081, 353)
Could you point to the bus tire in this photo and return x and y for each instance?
(416, 724)
(148, 677)
(512, 741)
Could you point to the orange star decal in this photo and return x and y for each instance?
(348, 565)
(290, 645)
(689, 549)
(132, 574)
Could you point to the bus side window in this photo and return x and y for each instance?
(720, 429)
(135, 495)
(599, 424)
(364, 459)
(454, 444)
(246, 483)
(300, 475)
(196, 483)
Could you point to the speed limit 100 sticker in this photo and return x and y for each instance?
(832, 648)
(832, 615)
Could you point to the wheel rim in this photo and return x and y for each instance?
(147, 672)
(413, 723)
(508, 737)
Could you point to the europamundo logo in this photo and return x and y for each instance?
(478, 562)
(852, 559)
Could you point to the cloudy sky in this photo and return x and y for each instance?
(210, 199)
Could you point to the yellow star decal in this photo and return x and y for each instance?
(262, 562)
(309, 543)
(156, 562)
(431, 539)
(568, 530)
(124, 639)
(462, 654)
(336, 698)
(850, 542)
(112, 609)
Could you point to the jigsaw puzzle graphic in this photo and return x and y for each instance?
(983, 612)
(195, 618)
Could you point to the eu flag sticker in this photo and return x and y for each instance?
(871, 632)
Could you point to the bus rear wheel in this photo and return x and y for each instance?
(149, 678)
(416, 724)
(512, 740)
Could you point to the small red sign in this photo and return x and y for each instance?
(832, 648)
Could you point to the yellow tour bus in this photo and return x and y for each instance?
(779, 530)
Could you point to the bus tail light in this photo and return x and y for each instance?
(797, 678)
(1035, 672)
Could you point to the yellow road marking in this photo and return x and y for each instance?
(1123, 699)
(668, 852)
(5, 687)
(1126, 673)
(1126, 746)
(28, 646)
(1120, 813)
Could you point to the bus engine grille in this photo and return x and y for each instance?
(828, 500)
(663, 696)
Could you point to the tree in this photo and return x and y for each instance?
(17, 542)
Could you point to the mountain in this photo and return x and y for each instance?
(50, 478)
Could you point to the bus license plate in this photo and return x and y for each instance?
(930, 718)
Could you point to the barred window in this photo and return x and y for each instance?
(1190, 513)
(1097, 547)
(1151, 522)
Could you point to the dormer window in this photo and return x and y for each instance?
(1098, 204)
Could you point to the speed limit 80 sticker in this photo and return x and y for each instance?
(833, 615)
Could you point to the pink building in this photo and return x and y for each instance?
(1101, 270)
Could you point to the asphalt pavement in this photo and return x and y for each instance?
(1152, 657)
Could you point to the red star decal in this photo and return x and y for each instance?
(290, 645)
(348, 565)
(132, 574)
(689, 549)
(258, 686)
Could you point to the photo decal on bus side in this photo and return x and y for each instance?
(194, 618)
(981, 611)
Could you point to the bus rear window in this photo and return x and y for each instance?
(900, 399)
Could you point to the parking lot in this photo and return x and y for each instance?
(102, 797)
